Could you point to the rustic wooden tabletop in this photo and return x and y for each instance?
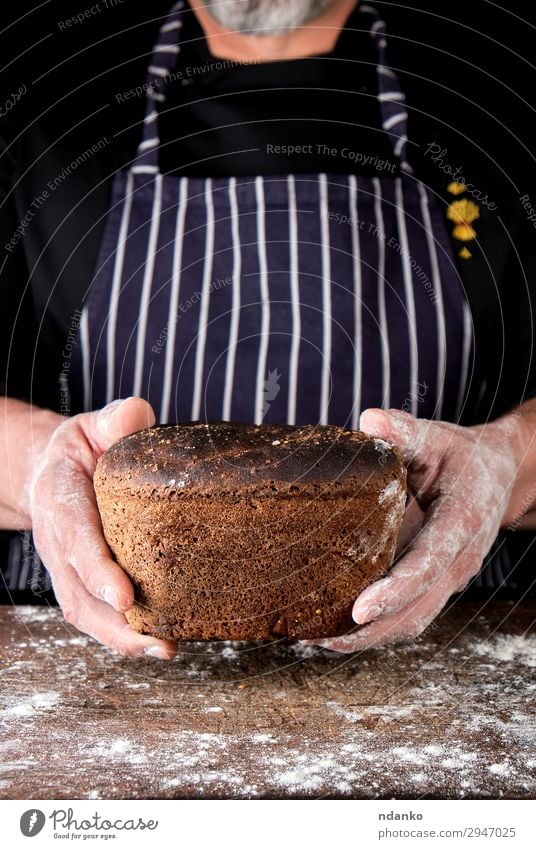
(449, 716)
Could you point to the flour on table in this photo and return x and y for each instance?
(37, 703)
(304, 651)
(509, 647)
(35, 613)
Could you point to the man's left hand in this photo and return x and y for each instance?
(462, 479)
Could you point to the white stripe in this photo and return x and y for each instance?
(391, 95)
(399, 145)
(370, 9)
(295, 299)
(14, 556)
(147, 284)
(386, 72)
(382, 42)
(265, 301)
(409, 294)
(467, 334)
(26, 559)
(205, 299)
(116, 290)
(382, 313)
(152, 116)
(496, 564)
(394, 119)
(235, 307)
(174, 300)
(84, 348)
(167, 48)
(326, 301)
(440, 312)
(358, 332)
(155, 96)
(144, 169)
(377, 25)
(159, 71)
(148, 143)
(171, 26)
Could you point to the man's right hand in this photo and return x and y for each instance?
(93, 591)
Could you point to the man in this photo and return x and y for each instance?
(380, 244)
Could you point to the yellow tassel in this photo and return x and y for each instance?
(464, 232)
(465, 253)
(456, 188)
(463, 211)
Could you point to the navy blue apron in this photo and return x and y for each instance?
(299, 298)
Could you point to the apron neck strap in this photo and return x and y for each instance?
(391, 98)
(163, 62)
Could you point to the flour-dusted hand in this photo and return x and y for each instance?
(462, 479)
(91, 588)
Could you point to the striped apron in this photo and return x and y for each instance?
(299, 298)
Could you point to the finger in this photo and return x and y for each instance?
(79, 535)
(407, 433)
(411, 621)
(443, 536)
(99, 620)
(118, 419)
(67, 520)
(411, 526)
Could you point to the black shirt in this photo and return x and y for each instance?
(468, 86)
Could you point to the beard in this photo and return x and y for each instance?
(271, 17)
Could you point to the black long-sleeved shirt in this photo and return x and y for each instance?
(71, 112)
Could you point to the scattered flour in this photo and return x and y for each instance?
(303, 651)
(263, 738)
(121, 749)
(499, 769)
(230, 654)
(37, 613)
(505, 647)
(368, 742)
(409, 755)
(392, 490)
(229, 650)
(383, 447)
(37, 703)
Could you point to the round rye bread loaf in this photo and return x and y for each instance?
(243, 532)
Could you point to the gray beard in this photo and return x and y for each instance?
(270, 17)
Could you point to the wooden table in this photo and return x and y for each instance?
(450, 716)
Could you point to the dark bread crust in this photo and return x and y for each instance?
(233, 531)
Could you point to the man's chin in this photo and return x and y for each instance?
(265, 17)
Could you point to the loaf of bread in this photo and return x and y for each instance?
(232, 531)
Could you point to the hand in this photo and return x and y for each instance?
(462, 480)
(91, 588)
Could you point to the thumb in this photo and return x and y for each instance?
(119, 419)
(402, 429)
